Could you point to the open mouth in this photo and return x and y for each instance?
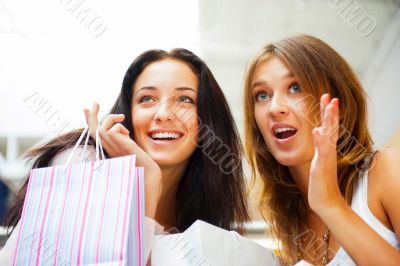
(283, 132)
(165, 135)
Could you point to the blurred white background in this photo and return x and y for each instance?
(65, 54)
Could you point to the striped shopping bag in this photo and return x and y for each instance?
(88, 213)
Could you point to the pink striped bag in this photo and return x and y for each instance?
(89, 213)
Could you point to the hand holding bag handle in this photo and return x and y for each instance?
(117, 142)
(99, 147)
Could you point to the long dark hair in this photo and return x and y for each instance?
(212, 188)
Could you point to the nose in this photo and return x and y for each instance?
(165, 111)
(278, 106)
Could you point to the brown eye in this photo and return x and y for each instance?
(185, 99)
(146, 99)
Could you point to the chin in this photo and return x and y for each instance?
(287, 161)
(167, 160)
(293, 159)
(164, 161)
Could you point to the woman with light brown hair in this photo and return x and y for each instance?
(328, 197)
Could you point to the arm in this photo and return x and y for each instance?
(360, 241)
(389, 170)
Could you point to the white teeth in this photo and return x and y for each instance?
(165, 135)
(284, 129)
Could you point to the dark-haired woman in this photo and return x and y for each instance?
(173, 115)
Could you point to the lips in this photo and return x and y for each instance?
(283, 131)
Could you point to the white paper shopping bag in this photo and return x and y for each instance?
(88, 213)
(204, 244)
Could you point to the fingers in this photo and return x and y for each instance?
(111, 120)
(119, 128)
(327, 120)
(317, 136)
(334, 120)
(327, 134)
(91, 119)
(331, 117)
(325, 98)
(108, 123)
(114, 136)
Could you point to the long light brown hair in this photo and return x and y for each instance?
(318, 69)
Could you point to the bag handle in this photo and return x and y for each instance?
(99, 147)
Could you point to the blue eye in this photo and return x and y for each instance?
(185, 99)
(262, 96)
(146, 99)
(295, 88)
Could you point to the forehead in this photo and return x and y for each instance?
(167, 72)
(271, 69)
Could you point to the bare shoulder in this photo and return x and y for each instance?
(386, 171)
(386, 165)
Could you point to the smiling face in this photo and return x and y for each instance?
(164, 112)
(280, 113)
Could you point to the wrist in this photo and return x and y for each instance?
(150, 209)
(333, 209)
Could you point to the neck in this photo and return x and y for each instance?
(301, 174)
(166, 209)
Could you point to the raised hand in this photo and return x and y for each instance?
(323, 188)
(116, 141)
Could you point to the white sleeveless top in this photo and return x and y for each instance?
(359, 204)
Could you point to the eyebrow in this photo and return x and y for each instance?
(258, 83)
(263, 82)
(154, 88)
(185, 89)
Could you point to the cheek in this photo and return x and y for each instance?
(139, 120)
(192, 128)
(306, 115)
(261, 117)
(188, 119)
(306, 129)
(307, 111)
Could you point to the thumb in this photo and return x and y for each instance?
(91, 119)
